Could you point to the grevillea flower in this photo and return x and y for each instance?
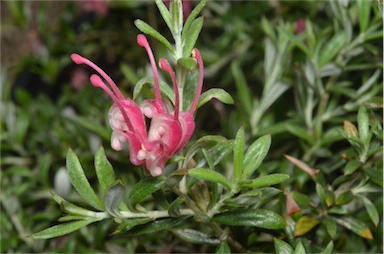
(169, 131)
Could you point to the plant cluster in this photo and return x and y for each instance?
(283, 154)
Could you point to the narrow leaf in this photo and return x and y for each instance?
(217, 93)
(300, 248)
(256, 154)
(191, 36)
(147, 29)
(63, 229)
(238, 153)
(192, 17)
(332, 48)
(209, 175)
(158, 225)
(145, 188)
(364, 10)
(223, 248)
(355, 226)
(194, 236)
(188, 63)
(267, 180)
(251, 217)
(242, 87)
(371, 209)
(363, 125)
(80, 181)
(165, 14)
(104, 170)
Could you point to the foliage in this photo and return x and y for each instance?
(294, 166)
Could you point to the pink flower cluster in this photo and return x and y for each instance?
(169, 131)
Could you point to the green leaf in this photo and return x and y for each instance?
(251, 217)
(330, 226)
(267, 27)
(63, 229)
(363, 125)
(165, 14)
(242, 87)
(70, 208)
(145, 188)
(267, 180)
(328, 249)
(192, 17)
(80, 181)
(147, 29)
(158, 225)
(321, 193)
(305, 224)
(299, 248)
(92, 126)
(223, 248)
(238, 153)
(351, 166)
(176, 11)
(364, 10)
(209, 175)
(300, 132)
(104, 170)
(188, 63)
(256, 154)
(113, 197)
(217, 93)
(194, 236)
(282, 247)
(332, 48)
(191, 36)
(164, 88)
(131, 223)
(295, 40)
(355, 226)
(371, 209)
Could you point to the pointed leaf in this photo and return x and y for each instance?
(364, 10)
(256, 154)
(104, 170)
(158, 225)
(194, 236)
(238, 153)
(355, 226)
(242, 87)
(147, 29)
(305, 224)
(267, 180)
(282, 247)
(165, 14)
(144, 188)
(223, 248)
(329, 248)
(330, 226)
(251, 217)
(191, 36)
(80, 181)
(192, 17)
(63, 229)
(371, 209)
(363, 125)
(332, 48)
(209, 175)
(299, 248)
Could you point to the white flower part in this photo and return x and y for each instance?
(147, 110)
(117, 138)
(142, 154)
(156, 171)
(116, 119)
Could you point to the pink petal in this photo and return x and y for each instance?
(151, 108)
(166, 129)
(187, 127)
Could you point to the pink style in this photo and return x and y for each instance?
(168, 132)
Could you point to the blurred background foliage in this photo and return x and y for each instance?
(307, 72)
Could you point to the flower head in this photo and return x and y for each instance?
(169, 131)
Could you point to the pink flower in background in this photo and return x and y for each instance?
(187, 7)
(100, 7)
(79, 78)
(300, 26)
(169, 131)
